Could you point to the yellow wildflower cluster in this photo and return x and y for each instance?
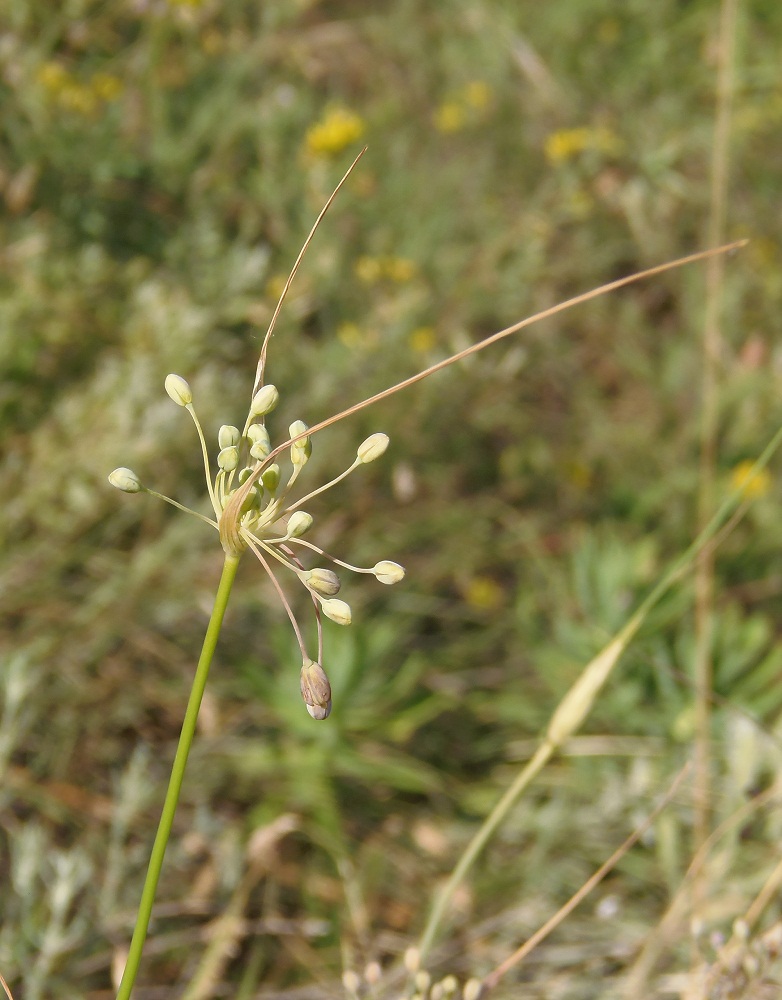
(370, 270)
(338, 128)
(355, 337)
(422, 340)
(753, 485)
(64, 90)
(566, 144)
(463, 108)
(482, 593)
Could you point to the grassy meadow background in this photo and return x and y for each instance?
(161, 163)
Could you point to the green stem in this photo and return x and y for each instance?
(175, 781)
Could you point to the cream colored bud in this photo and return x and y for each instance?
(373, 973)
(323, 581)
(228, 436)
(315, 689)
(271, 478)
(412, 959)
(450, 984)
(253, 500)
(260, 450)
(264, 401)
(372, 448)
(422, 981)
(261, 442)
(388, 572)
(126, 480)
(301, 449)
(299, 523)
(472, 989)
(178, 390)
(336, 610)
(351, 981)
(228, 459)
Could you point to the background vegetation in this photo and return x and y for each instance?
(160, 165)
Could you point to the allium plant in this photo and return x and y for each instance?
(256, 508)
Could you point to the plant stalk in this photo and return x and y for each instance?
(177, 776)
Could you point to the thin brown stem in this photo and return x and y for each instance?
(265, 346)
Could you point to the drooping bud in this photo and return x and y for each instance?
(228, 459)
(301, 449)
(323, 581)
(372, 448)
(126, 480)
(264, 401)
(315, 689)
(228, 436)
(299, 523)
(271, 478)
(336, 610)
(388, 572)
(253, 500)
(178, 390)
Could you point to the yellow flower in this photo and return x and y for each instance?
(106, 86)
(76, 97)
(52, 76)
(368, 269)
(753, 486)
(354, 337)
(566, 144)
(483, 593)
(449, 117)
(477, 94)
(336, 130)
(399, 269)
(422, 339)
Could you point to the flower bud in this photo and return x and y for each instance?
(126, 480)
(178, 390)
(336, 610)
(228, 436)
(260, 450)
(372, 448)
(261, 442)
(253, 500)
(323, 581)
(301, 449)
(271, 478)
(315, 689)
(388, 572)
(299, 523)
(264, 401)
(228, 459)
(473, 989)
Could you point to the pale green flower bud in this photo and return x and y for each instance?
(253, 500)
(271, 478)
(372, 448)
(301, 449)
(323, 581)
(388, 572)
(228, 436)
(264, 401)
(449, 984)
(315, 689)
(351, 981)
(228, 459)
(126, 480)
(412, 960)
(336, 610)
(178, 390)
(261, 442)
(299, 523)
(260, 449)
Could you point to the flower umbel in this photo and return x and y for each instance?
(254, 508)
